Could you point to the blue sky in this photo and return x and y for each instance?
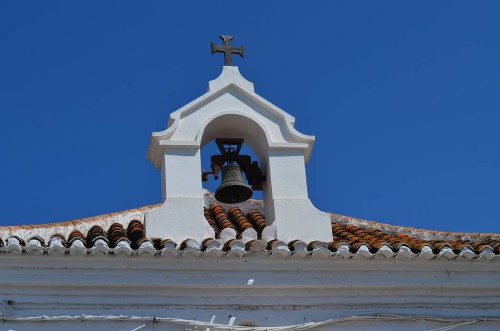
(403, 98)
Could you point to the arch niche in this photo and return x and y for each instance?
(237, 125)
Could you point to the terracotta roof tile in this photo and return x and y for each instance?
(124, 232)
(238, 218)
(257, 220)
(116, 233)
(75, 234)
(221, 217)
(211, 220)
(135, 232)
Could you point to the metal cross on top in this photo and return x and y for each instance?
(227, 49)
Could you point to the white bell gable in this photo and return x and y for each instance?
(231, 109)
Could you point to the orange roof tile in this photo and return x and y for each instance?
(124, 232)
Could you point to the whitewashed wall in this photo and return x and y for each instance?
(264, 290)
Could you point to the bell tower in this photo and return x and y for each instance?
(230, 110)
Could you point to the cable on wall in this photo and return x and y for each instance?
(215, 326)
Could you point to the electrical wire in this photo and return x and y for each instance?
(142, 326)
(223, 327)
(449, 327)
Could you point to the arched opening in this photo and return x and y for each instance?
(236, 126)
(233, 126)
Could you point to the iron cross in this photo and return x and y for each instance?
(227, 49)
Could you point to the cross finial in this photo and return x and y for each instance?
(227, 49)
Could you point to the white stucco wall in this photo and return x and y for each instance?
(266, 290)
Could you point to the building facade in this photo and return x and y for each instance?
(193, 263)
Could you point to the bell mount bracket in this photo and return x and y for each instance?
(229, 152)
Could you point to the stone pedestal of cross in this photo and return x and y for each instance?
(227, 49)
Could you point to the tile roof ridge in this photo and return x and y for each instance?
(46, 230)
(240, 233)
(414, 232)
(80, 220)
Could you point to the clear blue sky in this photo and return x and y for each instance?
(403, 98)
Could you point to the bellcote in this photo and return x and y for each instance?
(229, 94)
(231, 109)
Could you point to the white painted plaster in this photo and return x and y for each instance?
(123, 248)
(231, 109)
(236, 248)
(77, 248)
(146, 249)
(285, 291)
(34, 247)
(56, 246)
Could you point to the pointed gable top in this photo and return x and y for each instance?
(232, 82)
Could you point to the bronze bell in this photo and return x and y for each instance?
(233, 188)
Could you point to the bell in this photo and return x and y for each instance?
(233, 188)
